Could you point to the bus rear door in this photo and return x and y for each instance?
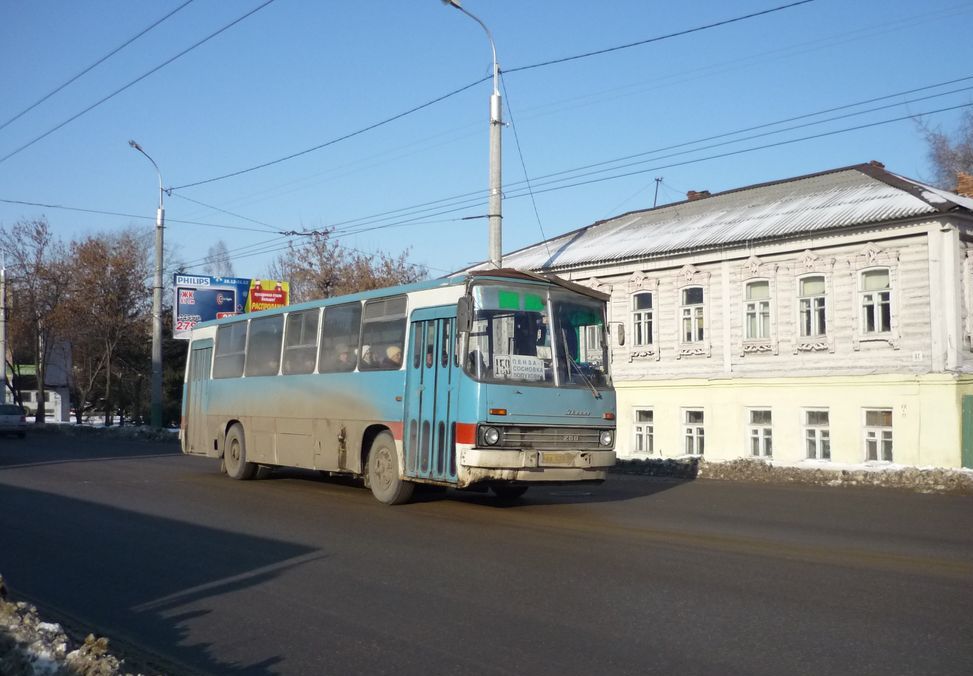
(430, 396)
(195, 398)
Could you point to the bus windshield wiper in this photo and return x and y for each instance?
(564, 340)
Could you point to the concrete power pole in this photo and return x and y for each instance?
(495, 205)
(3, 328)
(160, 221)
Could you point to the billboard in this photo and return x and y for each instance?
(198, 298)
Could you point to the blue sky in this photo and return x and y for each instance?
(296, 74)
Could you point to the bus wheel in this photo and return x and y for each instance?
(235, 455)
(508, 492)
(383, 472)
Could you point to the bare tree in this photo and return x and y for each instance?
(217, 262)
(109, 308)
(320, 267)
(948, 154)
(39, 280)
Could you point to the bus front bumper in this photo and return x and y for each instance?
(534, 460)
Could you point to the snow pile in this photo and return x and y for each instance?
(116, 431)
(30, 647)
(923, 480)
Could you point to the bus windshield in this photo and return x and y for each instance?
(537, 336)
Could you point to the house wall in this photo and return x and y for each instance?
(917, 369)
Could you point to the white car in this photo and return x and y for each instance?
(13, 420)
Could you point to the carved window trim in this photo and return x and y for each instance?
(812, 265)
(873, 257)
(756, 270)
(638, 283)
(691, 276)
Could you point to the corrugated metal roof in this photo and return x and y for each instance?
(844, 197)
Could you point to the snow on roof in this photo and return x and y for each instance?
(851, 196)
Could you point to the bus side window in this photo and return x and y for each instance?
(300, 342)
(383, 332)
(231, 341)
(263, 346)
(339, 338)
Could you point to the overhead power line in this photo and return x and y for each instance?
(335, 140)
(749, 150)
(477, 196)
(135, 81)
(92, 66)
(100, 212)
(473, 84)
(659, 38)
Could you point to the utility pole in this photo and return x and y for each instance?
(655, 200)
(495, 204)
(160, 218)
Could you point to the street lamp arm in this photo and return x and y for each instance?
(158, 171)
(493, 46)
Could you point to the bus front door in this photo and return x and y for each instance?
(428, 431)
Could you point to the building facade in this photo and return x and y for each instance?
(822, 319)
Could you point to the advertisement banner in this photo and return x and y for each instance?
(266, 294)
(198, 298)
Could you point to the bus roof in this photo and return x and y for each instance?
(503, 274)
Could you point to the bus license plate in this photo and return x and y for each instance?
(560, 459)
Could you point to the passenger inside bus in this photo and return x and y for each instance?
(393, 356)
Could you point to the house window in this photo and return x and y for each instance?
(644, 431)
(642, 319)
(817, 434)
(693, 431)
(876, 302)
(812, 303)
(761, 433)
(878, 434)
(757, 310)
(692, 314)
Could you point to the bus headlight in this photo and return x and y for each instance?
(491, 435)
(606, 438)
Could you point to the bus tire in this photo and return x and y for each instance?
(383, 472)
(235, 455)
(508, 492)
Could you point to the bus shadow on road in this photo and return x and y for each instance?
(51, 448)
(133, 574)
(616, 488)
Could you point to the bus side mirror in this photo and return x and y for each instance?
(620, 333)
(464, 315)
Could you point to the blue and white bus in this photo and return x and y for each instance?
(495, 379)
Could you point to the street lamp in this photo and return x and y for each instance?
(160, 217)
(495, 207)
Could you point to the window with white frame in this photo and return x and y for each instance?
(757, 310)
(817, 434)
(876, 302)
(761, 432)
(642, 318)
(692, 314)
(878, 434)
(644, 431)
(693, 431)
(813, 304)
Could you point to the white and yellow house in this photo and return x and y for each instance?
(823, 318)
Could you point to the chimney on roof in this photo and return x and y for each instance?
(876, 163)
(694, 195)
(964, 184)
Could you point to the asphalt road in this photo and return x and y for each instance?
(297, 574)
